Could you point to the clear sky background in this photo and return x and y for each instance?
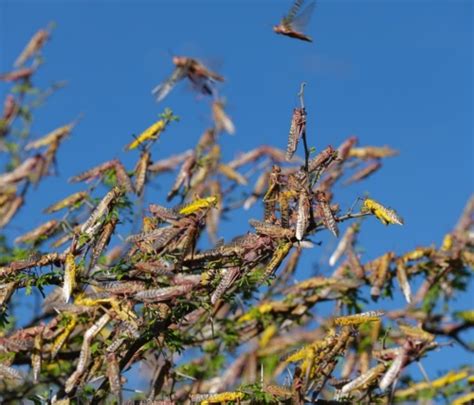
(391, 72)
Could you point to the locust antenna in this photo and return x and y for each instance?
(301, 94)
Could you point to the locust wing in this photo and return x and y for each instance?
(288, 19)
(202, 84)
(300, 22)
(163, 89)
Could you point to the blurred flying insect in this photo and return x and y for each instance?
(372, 152)
(293, 23)
(200, 76)
(365, 172)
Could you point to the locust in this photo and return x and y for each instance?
(403, 282)
(222, 121)
(196, 72)
(346, 241)
(394, 370)
(163, 213)
(303, 215)
(9, 208)
(297, 130)
(380, 272)
(101, 170)
(60, 339)
(294, 22)
(10, 111)
(365, 172)
(169, 163)
(230, 275)
(344, 149)
(278, 256)
(93, 222)
(184, 176)
(162, 294)
(103, 240)
(372, 152)
(385, 215)
(40, 233)
(320, 163)
(141, 170)
(24, 171)
(357, 319)
(370, 377)
(257, 191)
(53, 137)
(198, 204)
(20, 74)
(273, 193)
(72, 201)
(84, 357)
(33, 47)
(152, 133)
(271, 230)
(35, 261)
(325, 212)
(275, 154)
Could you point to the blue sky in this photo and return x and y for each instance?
(391, 72)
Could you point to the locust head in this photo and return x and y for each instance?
(278, 28)
(180, 61)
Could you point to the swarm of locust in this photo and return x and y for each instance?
(117, 297)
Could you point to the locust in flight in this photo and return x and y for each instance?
(198, 74)
(293, 23)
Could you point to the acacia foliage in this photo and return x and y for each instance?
(236, 322)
